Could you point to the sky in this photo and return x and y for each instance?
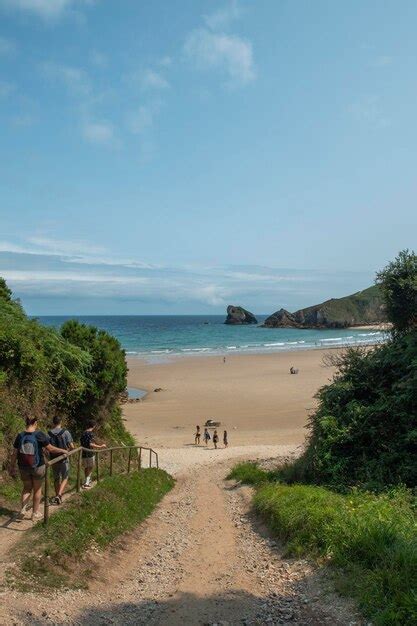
(176, 156)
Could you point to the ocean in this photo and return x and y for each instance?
(157, 337)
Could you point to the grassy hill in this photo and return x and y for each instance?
(361, 308)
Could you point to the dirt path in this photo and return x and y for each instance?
(200, 559)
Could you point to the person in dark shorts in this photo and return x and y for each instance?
(215, 439)
(197, 435)
(28, 449)
(206, 436)
(61, 438)
(225, 440)
(87, 440)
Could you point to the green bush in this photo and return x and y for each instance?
(77, 372)
(371, 539)
(364, 430)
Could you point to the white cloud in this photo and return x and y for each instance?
(383, 60)
(221, 18)
(98, 132)
(50, 245)
(98, 59)
(7, 46)
(140, 120)
(75, 79)
(368, 111)
(165, 61)
(228, 53)
(6, 88)
(54, 275)
(45, 9)
(153, 80)
(23, 120)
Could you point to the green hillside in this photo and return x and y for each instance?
(361, 308)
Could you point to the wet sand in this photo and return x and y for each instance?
(253, 396)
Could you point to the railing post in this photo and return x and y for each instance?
(46, 495)
(111, 462)
(157, 460)
(129, 460)
(98, 466)
(79, 471)
(150, 458)
(140, 459)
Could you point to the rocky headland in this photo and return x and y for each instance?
(364, 308)
(238, 315)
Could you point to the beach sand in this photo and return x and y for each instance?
(253, 396)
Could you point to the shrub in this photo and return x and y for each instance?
(371, 539)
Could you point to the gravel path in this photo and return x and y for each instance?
(201, 558)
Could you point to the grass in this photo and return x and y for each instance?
(251, 474)
(370, 539)
(59, 555)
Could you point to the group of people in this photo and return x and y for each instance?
(207, 437)
(29, 450)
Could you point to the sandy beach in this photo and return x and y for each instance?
(253, 396)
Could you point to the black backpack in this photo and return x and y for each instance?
(58, 440)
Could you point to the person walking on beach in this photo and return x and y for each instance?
(215, 439)
(29, 447)
(197, 436)
(206, 436)
(224, 359)
(87, 440)
(225, 441)
(60, 438)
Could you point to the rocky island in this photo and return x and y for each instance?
(364, 308)
(238, 315)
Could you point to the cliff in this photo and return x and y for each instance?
(361, 308)
(238, 315)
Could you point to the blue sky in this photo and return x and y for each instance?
(175, 156)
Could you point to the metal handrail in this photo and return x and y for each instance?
(96, 452)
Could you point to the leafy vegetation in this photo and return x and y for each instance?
(362, 435)
(251, 474)
(364, 431)
(371, 539)
(398, 282)
(77, 372)
(89, 521)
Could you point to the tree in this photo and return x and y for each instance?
(107, 374)
(398, 282)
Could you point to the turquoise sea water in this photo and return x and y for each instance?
(158, 337)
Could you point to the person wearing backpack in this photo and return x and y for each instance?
(28, 449)
(87, 440)
(60, 438)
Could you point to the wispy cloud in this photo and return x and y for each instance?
(45, 9)
(51, 245)
(98, 59)
(209, 47)
(98, 132)
(140, 120)
(382, 60)
(7, 46)
(47, 267)
(368, 110)
(153, 80)
(224, 16)
(75, 79)
(230, 54)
